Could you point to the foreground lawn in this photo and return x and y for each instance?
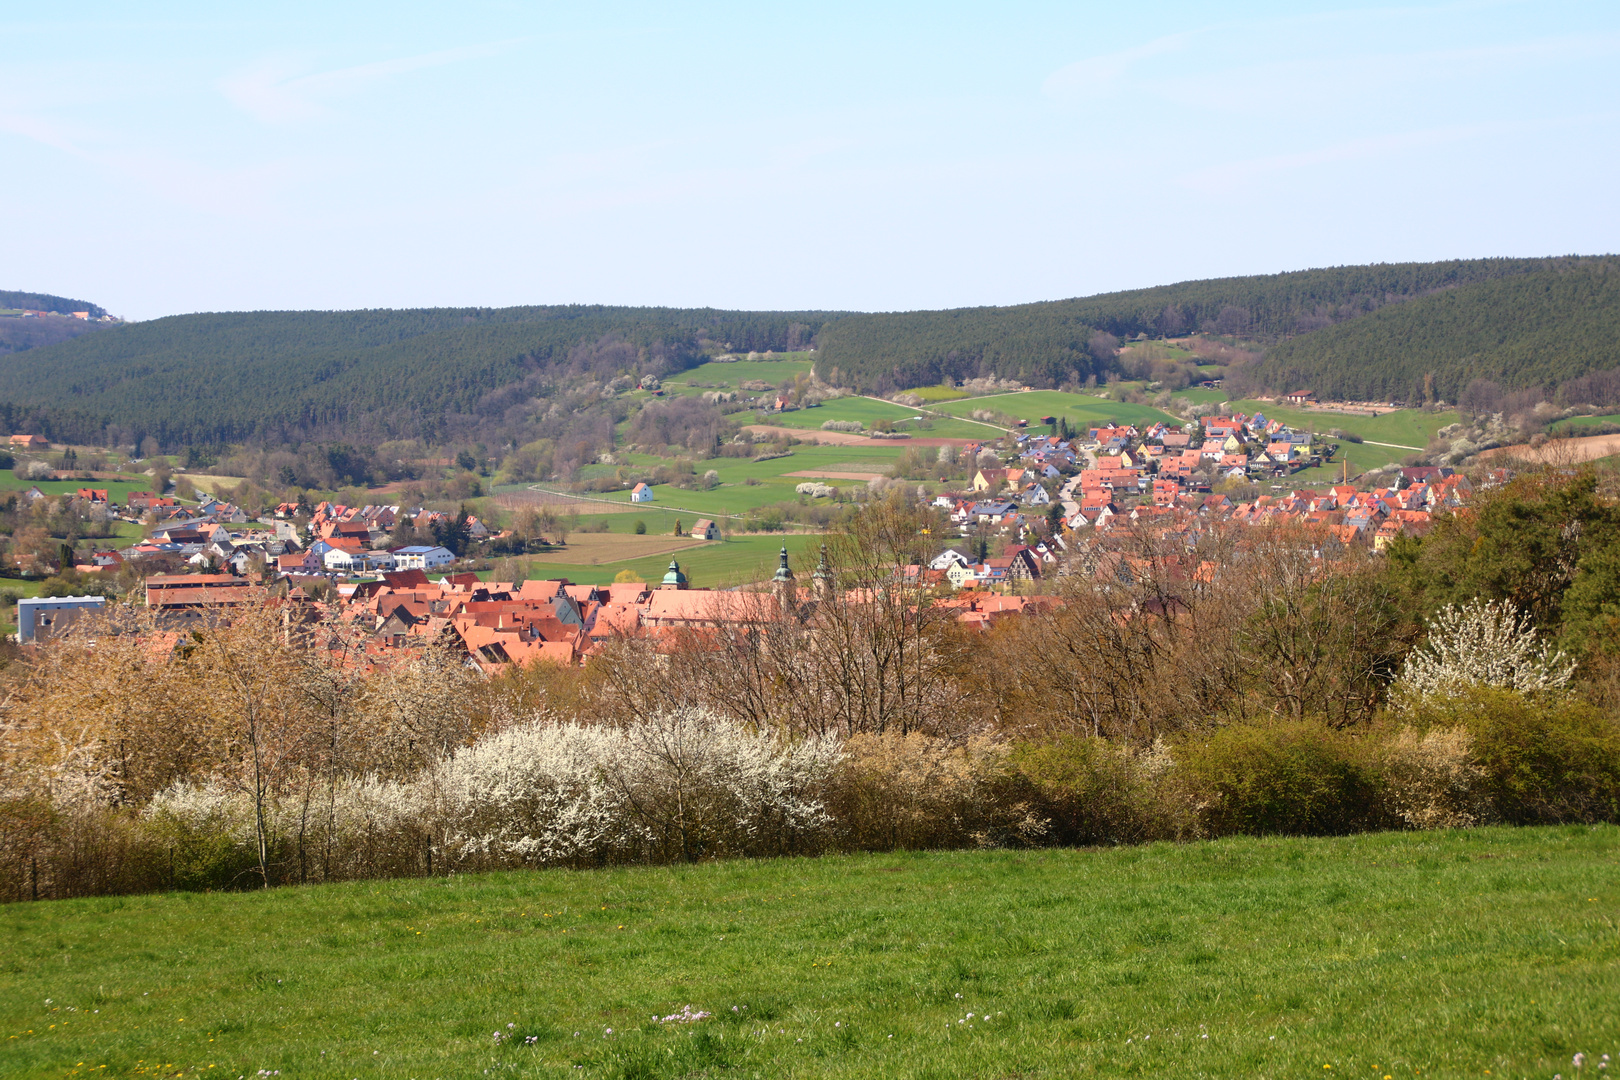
(1401, 955)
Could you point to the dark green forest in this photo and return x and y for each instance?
(1528, 331)
(281, 377)
(1049, 344)
(1412, 331)
(32, 301)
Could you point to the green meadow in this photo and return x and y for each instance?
(117, 490)
(1081, 410)
(771, 482)
(1490, 952)
(771, 371)
(737, 560)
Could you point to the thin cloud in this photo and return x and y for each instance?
(1097, 76)
(274, 92)
(1237, 174)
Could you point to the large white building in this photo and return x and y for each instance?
(422, 558)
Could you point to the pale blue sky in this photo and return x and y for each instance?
(163, 158)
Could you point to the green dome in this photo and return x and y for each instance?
(674, 576)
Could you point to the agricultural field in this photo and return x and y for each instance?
(1413, 955)
(738, 560)
(117, 490)
(775, 478)
(1405, 427)
(1568, 427)
(771, 371)
(1081, 410)
(867, 410)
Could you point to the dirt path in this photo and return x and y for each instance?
(814, 474)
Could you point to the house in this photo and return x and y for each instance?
(705, 529)
(641, 493)
(420, 557)
(1300, 397)
(948, 558)
(30, 442)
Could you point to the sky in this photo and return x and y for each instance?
(166, 158)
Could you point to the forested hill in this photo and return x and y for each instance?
(1535, 330)
(1050, 343)
(61, 305)
(215, 378)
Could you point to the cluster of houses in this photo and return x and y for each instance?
(497, 624)
(338, 541)
(1119, 475)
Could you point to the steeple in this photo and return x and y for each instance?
(674, 579)
(784, 573)
(823, 576)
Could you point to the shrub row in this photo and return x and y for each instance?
(687, 785)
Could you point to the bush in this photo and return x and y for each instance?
(1288, 777)
(641, 528)
(1544, 760)
(1093, 791)
(896, 792)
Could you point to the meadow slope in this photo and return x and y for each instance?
(1487, 952)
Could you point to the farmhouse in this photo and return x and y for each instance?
(641, 493)
(705, 529)
(31, 442)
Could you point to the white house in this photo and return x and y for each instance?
(641, 493)
(705, 529)
(422, 558)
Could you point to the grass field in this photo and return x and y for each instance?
(1079, 409)
(1407, 427)
(1465, 954)
(740, 560)
(1563, 426)
(735, 495)
(866, 410)
(771, 371)
(117, 490)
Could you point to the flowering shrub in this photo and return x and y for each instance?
(1481, 643)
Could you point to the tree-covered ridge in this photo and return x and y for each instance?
(222, 377)
(1048, 344)
(1534, 330)
(32, 301)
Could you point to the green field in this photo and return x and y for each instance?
(117, 490)
(771, 371)
(736, 496)
(1407, 427)
(1471, 953)
(1565, 427)
(936, 394)
(866, 410)
(740, 560)
(1079, 409)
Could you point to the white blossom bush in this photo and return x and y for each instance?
(535, 794)
(678, 784)
(1481, 643)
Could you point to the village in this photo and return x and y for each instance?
(1049, 508)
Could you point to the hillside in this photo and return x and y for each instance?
(18, 334)
(1047, 344)
(12, 299)
(215, 378)
(1529, 330)
(1434, 954)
